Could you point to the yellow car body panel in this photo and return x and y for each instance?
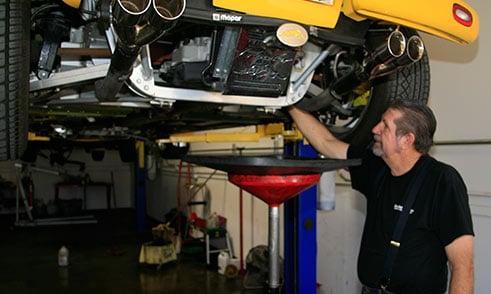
(73, 3)
(301, 11)
(434, 17)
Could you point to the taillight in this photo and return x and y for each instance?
(462, 15)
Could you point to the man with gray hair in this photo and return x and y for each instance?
(418, 217)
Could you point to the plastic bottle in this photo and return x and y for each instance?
(63, 255)
(234, 261)
(212, 221)
(223, 258)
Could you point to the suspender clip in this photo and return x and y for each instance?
(395, 243)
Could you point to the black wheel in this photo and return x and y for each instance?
(409, 83)
(357, 111)
(14, 77)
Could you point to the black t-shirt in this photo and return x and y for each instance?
(439, 215)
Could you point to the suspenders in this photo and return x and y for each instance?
(411, 193)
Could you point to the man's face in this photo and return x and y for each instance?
(387, 142)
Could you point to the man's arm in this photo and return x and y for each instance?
(460, 256)
(318, 135)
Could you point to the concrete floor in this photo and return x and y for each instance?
(103, 259)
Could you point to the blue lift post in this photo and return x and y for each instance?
(300, 225)
(140, 193)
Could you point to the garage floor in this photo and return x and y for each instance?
(103, 259)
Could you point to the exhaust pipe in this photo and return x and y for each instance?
(395, 52)
(392, 48)
(413, 53)
(137, 23)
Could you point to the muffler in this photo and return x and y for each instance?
(137, 23)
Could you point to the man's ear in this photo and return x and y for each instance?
(408, 140)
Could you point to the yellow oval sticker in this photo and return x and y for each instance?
(292, 34)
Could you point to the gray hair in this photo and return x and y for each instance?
(417, 118)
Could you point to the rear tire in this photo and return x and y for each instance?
(14, 77)
(411, 83)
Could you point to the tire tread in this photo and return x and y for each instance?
(14, 71)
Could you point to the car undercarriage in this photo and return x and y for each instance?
(151, 68)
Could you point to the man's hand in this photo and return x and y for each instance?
(460, 256)
(318, 135)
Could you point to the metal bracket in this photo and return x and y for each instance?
(162, 103)
(70, 76)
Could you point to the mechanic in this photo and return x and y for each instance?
(410, 257)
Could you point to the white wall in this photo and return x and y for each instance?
(461, 101)
(460, 82)
(338, 241)
(473, 162)
(161, 191)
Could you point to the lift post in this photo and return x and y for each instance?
(300, 232)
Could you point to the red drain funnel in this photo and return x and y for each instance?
(276, 189)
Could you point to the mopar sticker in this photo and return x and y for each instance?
(226, 17)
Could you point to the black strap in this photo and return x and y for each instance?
(395, 242)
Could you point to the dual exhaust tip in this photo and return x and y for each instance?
(413, 48)
(397, 51)
(131, 12)
(166, 9)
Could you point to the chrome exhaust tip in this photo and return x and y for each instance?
(169, 9)
(415, 48)
(393, 47)
(130, 13)
(164, 12)
(396, 43)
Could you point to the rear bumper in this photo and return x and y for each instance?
(434, 17)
